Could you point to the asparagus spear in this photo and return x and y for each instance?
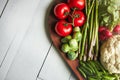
(94, 33)
(84, 33)
(97, 26)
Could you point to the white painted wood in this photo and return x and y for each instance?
(27, 48)
(73, 77)
(13, 26)
(55, 67)
(39, 78)
(2, 4)
(33, 49)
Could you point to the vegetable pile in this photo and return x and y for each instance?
(93, 70)
(110, 54)
(109, 13)
(71, 17)
(83, 26)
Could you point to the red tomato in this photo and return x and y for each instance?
(79, 4)
(63, 28)
(77, 18)
(61, 10)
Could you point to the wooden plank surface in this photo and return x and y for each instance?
(55, 68)
(13, 25)
(32, 51)
(25, 45)
(3, 4)
(39, 79)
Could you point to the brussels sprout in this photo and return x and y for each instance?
(73, 44)
(76, 29)
(66, 39)
(72, 55)
(65, 48)
(77, 36)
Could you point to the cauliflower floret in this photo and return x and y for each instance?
(110, 54)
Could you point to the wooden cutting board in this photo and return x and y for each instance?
(56, 40)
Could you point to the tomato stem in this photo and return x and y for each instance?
(70, 15)
(74, 10)
(66, 13)
(70, 23)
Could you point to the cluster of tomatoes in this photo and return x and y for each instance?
(69, 15)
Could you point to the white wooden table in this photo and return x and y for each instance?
(26, 51)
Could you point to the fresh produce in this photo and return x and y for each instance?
(77, 36)
(109, 17)
(77, 18)
(70, 44)
(61, 10)
(63, 28)
(89, 44)
(110, 54)
(66, 39)
(93, 70)
(117, 29)
(72, 55)
(73, 44)
(109, 13)
(76, 29)
(107, 33)
(104, 34)
(78, 4)
(89, 28)
(65, 48)
(101, 28)
(70, 17)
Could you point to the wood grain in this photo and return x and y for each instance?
(3, 4)
(14, 23)
(56, 41)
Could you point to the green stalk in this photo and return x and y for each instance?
(96, 49)
(86, 50)
(79, 46)
(83, 43)
(92, 25)
(86, 6)
(91, 51)
(94, 38)
(97, 26)
(85, 31)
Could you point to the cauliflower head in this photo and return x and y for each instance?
(110, 54)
